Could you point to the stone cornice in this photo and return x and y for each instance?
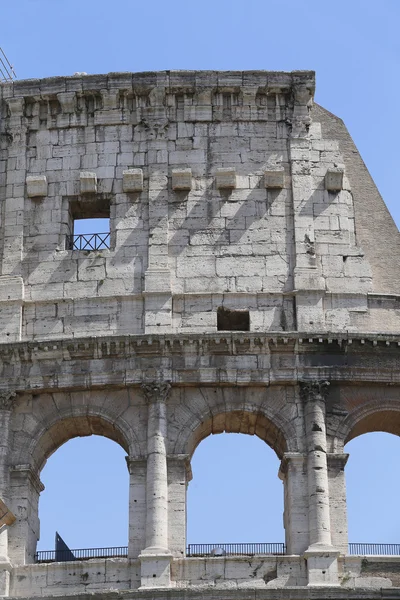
(178, 81)
(97, 347)
(220, 358)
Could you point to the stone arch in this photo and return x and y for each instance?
(49, 439)
(60, 423)
(46, 437)
(272, 429)
(374, 416)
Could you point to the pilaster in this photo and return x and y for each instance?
(25, 489)
(337, 501)
(7, 401)
(293, 472)
(308, 282)
(137, 505)
(179, 475)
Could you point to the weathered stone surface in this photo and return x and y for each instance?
(126, 342)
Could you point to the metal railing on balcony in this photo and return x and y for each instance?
(235, 549)
(80, 554)
(374, 549)
(88, 241)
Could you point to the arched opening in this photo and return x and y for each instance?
(373, 490)
(372, 485)
(235, 497)
(67, 480)
(85, 497)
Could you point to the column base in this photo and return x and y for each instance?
(322, 565)
(155, 568)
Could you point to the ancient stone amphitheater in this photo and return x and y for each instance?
(248, 282)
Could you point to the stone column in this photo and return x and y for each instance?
(179, 475)
(137, 506)
(293, 472)
(7, 400)
(321, 556)
(156, 558)
(337, 501)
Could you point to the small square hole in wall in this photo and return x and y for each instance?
(89, 225)
(232, 320)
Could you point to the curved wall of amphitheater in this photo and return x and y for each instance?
(242, 286)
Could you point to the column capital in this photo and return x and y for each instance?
(155, 391)
(7, 399)
(314, 390)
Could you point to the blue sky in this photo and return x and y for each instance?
(354, 47)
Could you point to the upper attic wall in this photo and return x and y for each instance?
(233, 208)
(376, 232)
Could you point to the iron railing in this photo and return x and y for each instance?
(235, 549)
(374, 549)
(81, 554)
(88, 241)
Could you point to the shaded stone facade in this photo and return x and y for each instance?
(243, 287)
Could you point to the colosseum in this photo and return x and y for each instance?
(248, 282)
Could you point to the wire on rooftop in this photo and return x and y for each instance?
(7, 72)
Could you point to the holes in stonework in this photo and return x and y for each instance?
(232, 320)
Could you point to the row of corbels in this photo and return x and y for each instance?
(225, 178)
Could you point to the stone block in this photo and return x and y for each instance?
(181, 179)
(334, 180)
(36, 186)
(88, 182)
(132, 180)
(274, 178)
(226, 178)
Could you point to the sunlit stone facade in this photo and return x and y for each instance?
(248, 283)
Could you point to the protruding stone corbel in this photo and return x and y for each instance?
(36, 186)
(132, 180)
(88, 182)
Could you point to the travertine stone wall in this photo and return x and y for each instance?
(228, 199)
(225, 191)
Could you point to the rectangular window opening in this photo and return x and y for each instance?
(232, 320)
(89, 225)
